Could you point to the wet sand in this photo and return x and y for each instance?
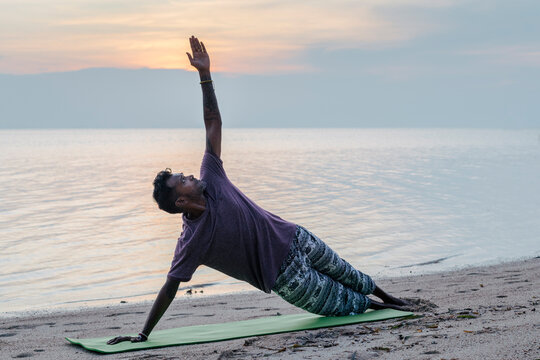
(475, 313)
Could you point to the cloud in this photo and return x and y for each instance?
(245, 37)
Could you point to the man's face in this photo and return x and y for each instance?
(187, 186)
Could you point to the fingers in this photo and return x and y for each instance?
(113, 341)
(195, 45)
(190, 58)
(118, 339)
(203, 48)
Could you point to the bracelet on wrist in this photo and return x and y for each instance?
(205, 82)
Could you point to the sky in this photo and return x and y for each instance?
(404, 63)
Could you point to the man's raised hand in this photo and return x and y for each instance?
(200, 59)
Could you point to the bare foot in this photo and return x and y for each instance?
(375, 305)
(396, 301)
(389, 299)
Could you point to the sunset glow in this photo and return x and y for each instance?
(243, 37)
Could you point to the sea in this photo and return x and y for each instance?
(79, 226)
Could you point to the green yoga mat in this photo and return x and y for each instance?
(234, 330)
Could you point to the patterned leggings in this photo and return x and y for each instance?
(313, 277)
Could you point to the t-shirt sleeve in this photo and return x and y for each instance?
(184, 262)
(212, 167)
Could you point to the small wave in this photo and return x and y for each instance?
(431, 262)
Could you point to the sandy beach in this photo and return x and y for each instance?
(475, 313)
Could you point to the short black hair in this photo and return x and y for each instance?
(164, 195)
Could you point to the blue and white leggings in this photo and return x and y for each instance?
(313, 277)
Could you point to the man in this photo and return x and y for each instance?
(225, 230)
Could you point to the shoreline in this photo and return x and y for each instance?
(417, 269)
(483, 312)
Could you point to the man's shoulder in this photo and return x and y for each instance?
(211, 156)
(212, 166)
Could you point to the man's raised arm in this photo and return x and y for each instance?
(212, 118)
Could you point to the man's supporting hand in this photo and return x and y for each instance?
(133, 339)
(200, 59)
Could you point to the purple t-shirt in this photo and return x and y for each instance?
(233, 235)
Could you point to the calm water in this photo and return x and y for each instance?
(78, 225)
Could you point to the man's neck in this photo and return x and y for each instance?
(197, 208)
